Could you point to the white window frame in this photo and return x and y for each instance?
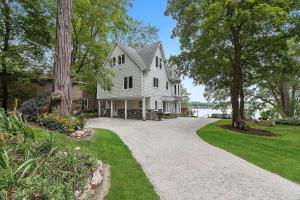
(128, 77)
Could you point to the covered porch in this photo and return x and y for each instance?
(128, 108)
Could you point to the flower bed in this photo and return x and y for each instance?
(61, 123)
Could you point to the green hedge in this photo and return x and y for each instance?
(289, 121)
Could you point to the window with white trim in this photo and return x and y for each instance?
(155, 82)
(156, 61)
(160, 63)
(175, 89)
(128, 82)
(121, 59)
(156, 107)
(114, 61)
(167, 85)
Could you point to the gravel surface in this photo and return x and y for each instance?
(182, 166)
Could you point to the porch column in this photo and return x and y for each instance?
(111, 108)
(125, 109)
(99, 108)
(144, 109)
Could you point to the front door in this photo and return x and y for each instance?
(115, 110)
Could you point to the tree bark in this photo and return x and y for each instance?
(242, 102)
(237, 76)
(62, 61)
(5, 50)
(285, 97)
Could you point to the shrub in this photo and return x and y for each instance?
(34, 107)
(61, 123)
(39, 170)
(289, 121)
(12, 125)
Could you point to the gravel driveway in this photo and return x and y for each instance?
(182, 166)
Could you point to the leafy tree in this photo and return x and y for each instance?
(185, 102)
(136, 34)
(24, 30)
(227, 41)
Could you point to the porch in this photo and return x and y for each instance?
(124, 108)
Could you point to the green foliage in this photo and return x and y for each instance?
(61, 123)
(235, 44)
(169, 116)
(289, 121)
(11, 124)
(137, 34)
(128, 180)
(34, 107)
(39, 170)
(265, 115)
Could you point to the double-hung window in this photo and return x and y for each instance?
(155, 82)
(175, 89)
(167, 85)
(121, 59)
(156, 61)
(160, 63)
(128, 82)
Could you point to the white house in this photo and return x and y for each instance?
(143, 83)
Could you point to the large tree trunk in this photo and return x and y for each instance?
(3, 60)
(237, 77)
(242, 102)
(285, 97)
(62, 62)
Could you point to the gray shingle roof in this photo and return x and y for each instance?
(147, 53)
(142, 56)
(133, 54)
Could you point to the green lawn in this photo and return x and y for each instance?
(280, 154)
(128, 180)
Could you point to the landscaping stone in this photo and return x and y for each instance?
(81, 134)
(92, 184)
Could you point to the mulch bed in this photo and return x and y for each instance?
(250, 131)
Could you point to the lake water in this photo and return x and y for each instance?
(204, 112)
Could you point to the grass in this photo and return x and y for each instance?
(279, 154)
(128, 180)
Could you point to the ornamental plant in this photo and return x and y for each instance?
(61, 123)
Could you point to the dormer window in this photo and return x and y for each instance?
(156, 61)
(160, 63)
(114, 61)
(121, 59)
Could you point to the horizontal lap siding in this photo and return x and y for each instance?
(130, 68)
(154, 93)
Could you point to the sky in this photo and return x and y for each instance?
(152, 12)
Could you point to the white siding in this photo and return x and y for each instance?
(120, 71)
(155, 93)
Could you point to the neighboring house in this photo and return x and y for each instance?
(80, 99)
(143, 83)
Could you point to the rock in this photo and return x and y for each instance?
(79, 133)
(77, 193)
(97, 177)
